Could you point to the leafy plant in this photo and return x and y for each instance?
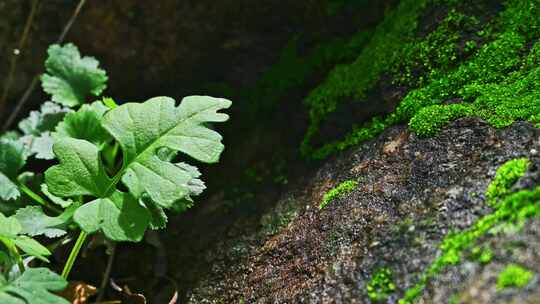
(98, 146)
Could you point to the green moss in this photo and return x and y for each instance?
(393, 50)
(381, 285)
(513, 276)
(512, 208)
(341, 189)
(482, 255)
(437, 52)
(354, 80)
(497, 84)
(505, 178)
(428, 121)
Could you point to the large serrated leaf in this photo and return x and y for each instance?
(70, 79)
(34, 286)
(149, 134)
(142, 129)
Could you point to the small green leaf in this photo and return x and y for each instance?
(10, 135)
(12, 159)
(109, 102)
(64, 203)
(85, 124)
(80, 171)
(43, 120)
(158, 218)
(70, 79)
(34, 286)
(35, 222)
(41, 146)
(9, 227)
(32, 247)
(36, 129)
(120, 217)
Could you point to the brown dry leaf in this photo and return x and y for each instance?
(127, 296)
(78, 292)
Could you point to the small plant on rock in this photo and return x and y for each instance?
(99, 147)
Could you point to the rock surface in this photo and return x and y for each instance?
(412, 192)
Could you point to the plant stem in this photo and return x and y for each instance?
(107, 274)
(20, 262)
(73, 254)
(39, 199)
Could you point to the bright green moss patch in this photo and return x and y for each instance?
(354, 80)
(341, 189)
(428, 121)
(499, 83)
(512, 208)
(425, 58)
(394, 50)
(506, 176)
(381, 286)
(513, 276)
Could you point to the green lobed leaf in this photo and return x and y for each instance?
(32, 247)
(37, 126)
(34, 286)
(70, 79)
(9, 227)
(64, 203)
(41, 146)
(85, 124)
(35, 222)
(80, 171)
(10, 135)
(46, 119)
(12, 159)
(143, 129)
(120, 217)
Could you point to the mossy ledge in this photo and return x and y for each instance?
(499, 82)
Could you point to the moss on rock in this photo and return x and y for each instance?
(498, 83)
